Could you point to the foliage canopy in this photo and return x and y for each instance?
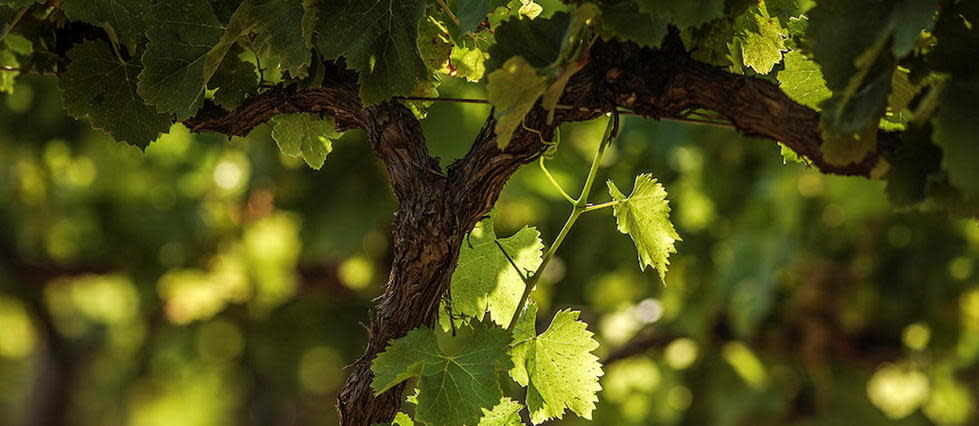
(876, 88)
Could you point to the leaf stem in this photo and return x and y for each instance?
(593, 207)
(448, 11)
(535, 277)
(579, 208)
(13, 22)
(554, 182)
(611, 130)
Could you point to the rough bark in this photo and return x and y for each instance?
(436, 211)
(437, 208)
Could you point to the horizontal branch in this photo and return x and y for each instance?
(663, 84)
(668, 83)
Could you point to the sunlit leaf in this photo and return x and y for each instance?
(645, 216)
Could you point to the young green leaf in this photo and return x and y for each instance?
(802, 80)
(188, 41)
(100, 87)
(484, 278)
(557, 367)
(454, 387)
(506, 413)
(645, 216)
(400, 419)
(378, 38)
(305, 135)
(762, 39)
(512, 90)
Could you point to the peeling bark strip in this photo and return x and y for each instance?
(437, 209)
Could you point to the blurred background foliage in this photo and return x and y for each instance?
(207, 282)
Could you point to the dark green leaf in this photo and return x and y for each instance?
(279, 39)
(915, 159)
(187, 43)
(121, 17)
(956, 126)
(101, 88)
(378, 40)
(624, 21)
(683, 14)
(234, 80)
(538, 41)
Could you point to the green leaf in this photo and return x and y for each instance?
(453, 387)
(305, 135)
(802, 80)
(857, 44)
(506, 413)
(538, 41)
(187, 42)
(234, 80)
(903, 92)
(683, 14)
(470, 13)
(846, 33)
(485, 280)
(849, 122)
(914, 160)
(121, 17)
(434, 43)
(403, 359)
(623, 20)
(378, 39)
(761, 38)
(99, 87)
(645, 216)
(468, 62)
(13, 49)
(958, 40)
(512, 90)
(790, 156)
(557, 367)
(402, 419)
(956, 126)
(785, 9)
(279, 39)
